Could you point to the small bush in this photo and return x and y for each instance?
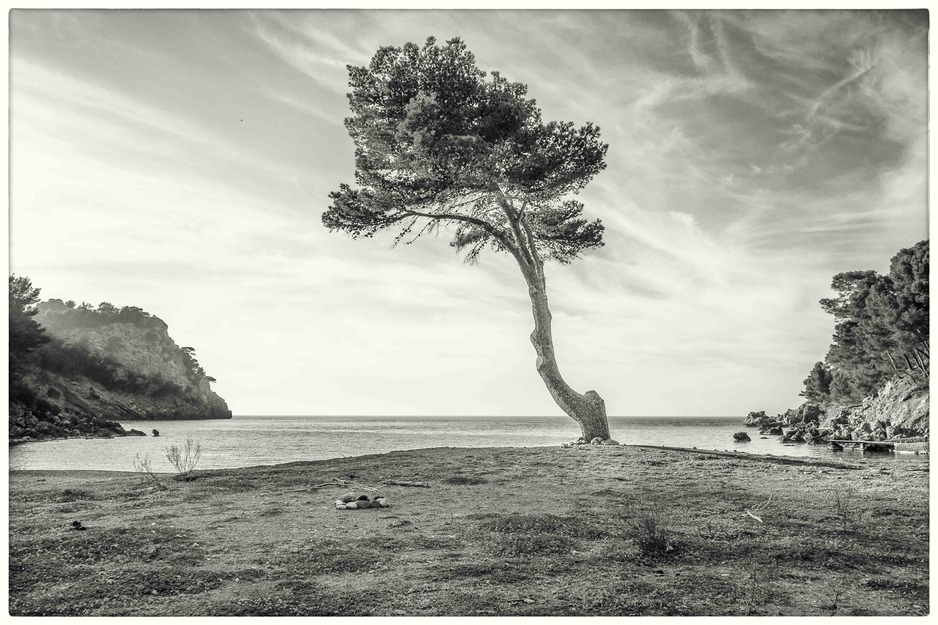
(649, 531)
(143, 467)
(849, 515)
(184, 458)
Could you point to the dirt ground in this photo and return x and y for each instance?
(502, 531)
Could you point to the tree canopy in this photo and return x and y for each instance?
(437, 140)
(881, 329)
(25, 333)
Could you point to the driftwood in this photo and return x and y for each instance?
(403, 483)
(763, 506)
(356, 486)
(344, 483)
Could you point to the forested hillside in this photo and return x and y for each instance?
(76, 368)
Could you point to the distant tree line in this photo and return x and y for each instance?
(85, 315)
(881, 330)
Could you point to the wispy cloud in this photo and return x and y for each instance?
(304, 44)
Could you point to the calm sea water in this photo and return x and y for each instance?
(250, 441)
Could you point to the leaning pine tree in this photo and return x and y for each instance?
(437, 143)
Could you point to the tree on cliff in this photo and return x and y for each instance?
(881, 328)
(25, 333)
(902, 299)
(817, 386)
(438, 144)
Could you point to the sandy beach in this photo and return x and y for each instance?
(498, 531)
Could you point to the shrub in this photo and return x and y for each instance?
(649, 531)
(184, 458)
(849, 515)
(143, 467)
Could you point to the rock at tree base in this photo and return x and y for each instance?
(582, 442)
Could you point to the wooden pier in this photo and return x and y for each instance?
(892, 446)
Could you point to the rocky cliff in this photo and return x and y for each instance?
(106, 364)
(899, 412)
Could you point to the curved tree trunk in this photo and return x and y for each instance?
(589, 409)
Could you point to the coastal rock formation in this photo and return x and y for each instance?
(105, 364)
(899, 411)
(24, 426)
(756, 419)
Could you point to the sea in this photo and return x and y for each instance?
(245, 441)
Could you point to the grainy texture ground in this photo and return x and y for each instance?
(534, 531)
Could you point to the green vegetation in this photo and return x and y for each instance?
(649, 530)
(26, 334)
(441, 144)
(192, 365)
(881, 330)
(73, 360)
(184, 458)
(67, 315)
(144, 467)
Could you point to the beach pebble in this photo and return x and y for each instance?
(340, 506)
(382, 502)
(351, 506)
(348, 498)
(362, 498)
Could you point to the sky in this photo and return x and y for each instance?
(180, 161)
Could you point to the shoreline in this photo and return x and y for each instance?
(778, 459)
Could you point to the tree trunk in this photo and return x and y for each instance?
(589, 409)
(920, 361)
